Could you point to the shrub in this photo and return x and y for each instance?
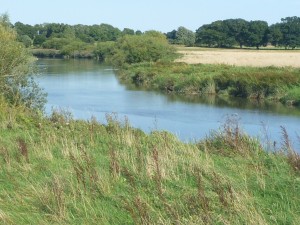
(149, 47)
(16, 63)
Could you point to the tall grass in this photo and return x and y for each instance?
(59, 170)
(272, 83)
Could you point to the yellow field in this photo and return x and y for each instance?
(240, 57)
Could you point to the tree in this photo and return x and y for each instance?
(138, 32)
(26, 40)
(214, 35)
(207, 35)
(171, 36)
(25, 29)
(128, 31)
(257, 34)
(290, 29)
(237, 29)
(39, 40)
(104, 32)
(17, 85)
(185, 37)
(82, 32)
(275, 34)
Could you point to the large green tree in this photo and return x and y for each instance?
(290, 29)
(17, 85)
(214, 35)
(275, 34)
(236, 29)
(257, 34)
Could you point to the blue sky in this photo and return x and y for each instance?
(162, 15)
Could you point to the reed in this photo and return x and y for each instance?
(268, 83)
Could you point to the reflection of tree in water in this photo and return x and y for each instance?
(63, 66)
(235, 102)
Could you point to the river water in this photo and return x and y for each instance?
(87, 88)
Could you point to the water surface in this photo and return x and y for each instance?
(87, 88)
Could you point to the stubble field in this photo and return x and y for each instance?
(240, 57)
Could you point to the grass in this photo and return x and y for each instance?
(58, 170)
(272, 83)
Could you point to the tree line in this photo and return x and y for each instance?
(79, 39)
(239, 32)
(57, 35)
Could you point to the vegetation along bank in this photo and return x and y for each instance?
(270, 83)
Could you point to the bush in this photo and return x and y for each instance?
(16, 83)
(149, 47)
(104, 50)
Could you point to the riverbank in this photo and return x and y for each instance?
(60, 170)
(269, 83)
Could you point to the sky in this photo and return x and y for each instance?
(161, 15)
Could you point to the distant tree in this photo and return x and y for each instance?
(185, 37)
(211, 35)
(275, 34)
(39, 40)
(128, 31)
(257, 34)
(138, 32)
(52, 29)
(26, 40)
(171, 36)
(82, 32)
(104, 32)
(215, 34)
(290, 29)
(68, 32)
(237, 29)
(25, 29)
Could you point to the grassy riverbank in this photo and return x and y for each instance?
(58, 170)
(272, 83)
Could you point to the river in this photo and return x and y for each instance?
(87, 88)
